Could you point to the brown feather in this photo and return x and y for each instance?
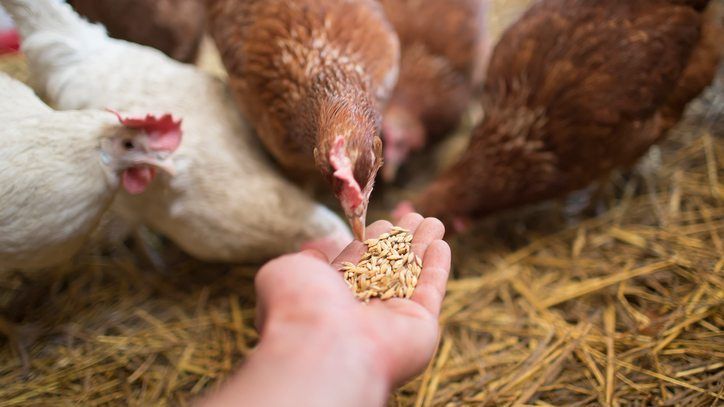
(307, 71)
(172, 26)
(575, 88)
(443, 56)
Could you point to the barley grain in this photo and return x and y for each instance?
(388, 269)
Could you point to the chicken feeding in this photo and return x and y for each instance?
(444, 51)
(313, 76)
(175, 27)
(574, 89)
(59, 172)
(226, 202)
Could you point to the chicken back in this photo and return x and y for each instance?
(574, 89)
(312, 76)
(59, 172)
(172, 26)
(444, 49)
(226, 201)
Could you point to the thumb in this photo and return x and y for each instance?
(315, 253)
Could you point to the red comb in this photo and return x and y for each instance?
(164, 132)
(352, 193)
(9, 42)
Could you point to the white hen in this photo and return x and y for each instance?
(226, 202)
(60, 170)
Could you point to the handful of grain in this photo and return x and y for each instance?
(388, 269)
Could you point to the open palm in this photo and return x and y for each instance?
(302, 291)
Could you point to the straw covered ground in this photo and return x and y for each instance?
(545, 307)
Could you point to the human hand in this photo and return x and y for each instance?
(321, 345)
(303, 289)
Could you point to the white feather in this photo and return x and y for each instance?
(227, 202)
(53, 187)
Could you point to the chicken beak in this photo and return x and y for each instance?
(164, 164)
(358, 226)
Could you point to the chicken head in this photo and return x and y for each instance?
(141, 147)
(353, 170)
(403, 133)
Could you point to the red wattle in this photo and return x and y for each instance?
(137, 179)
(9, 42)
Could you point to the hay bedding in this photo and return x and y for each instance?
(623, 308)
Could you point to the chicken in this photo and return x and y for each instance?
(313, 77)
(575, 89)
(444, 51)
(227, 202)
(59, 172)
(176, 27)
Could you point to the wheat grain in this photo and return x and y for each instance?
(388, 269)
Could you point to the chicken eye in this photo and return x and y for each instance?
(128, 144)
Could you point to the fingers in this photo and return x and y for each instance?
(425, 231)
(316, 254)
(283, 272)
(428, 231)
(279, 276)
(430, 289)
(356, 249)
(378, 228)
(332, 244)
(411, 222)
(292, 278)
(435, 254)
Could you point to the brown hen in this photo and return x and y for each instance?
(312, 76)
(575, 89)
(172, 26)
(443, 55)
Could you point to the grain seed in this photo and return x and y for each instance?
(389, 268)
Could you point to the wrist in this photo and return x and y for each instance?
(328, 358)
